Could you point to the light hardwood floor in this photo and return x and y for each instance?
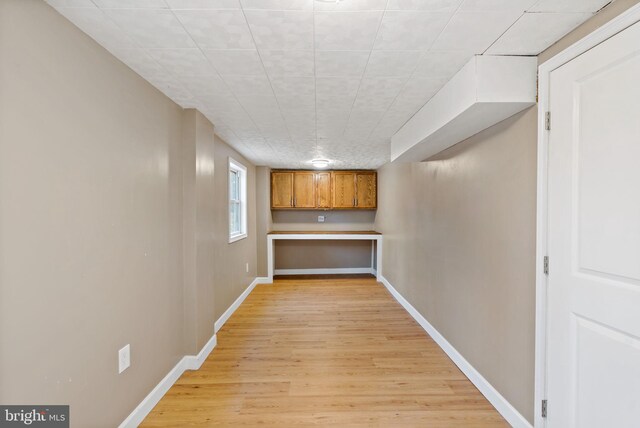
(324, 353)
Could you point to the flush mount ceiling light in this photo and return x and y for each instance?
(328, 1)
(320, 163)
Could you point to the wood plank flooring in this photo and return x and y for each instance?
(338, 352)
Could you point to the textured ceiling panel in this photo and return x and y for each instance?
(285, 81)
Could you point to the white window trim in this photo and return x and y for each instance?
(237, 166)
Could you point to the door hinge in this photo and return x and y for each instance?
(547, 121)
(546, 265)
(543, 408)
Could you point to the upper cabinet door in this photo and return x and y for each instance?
(366, 196)
(304, 190)
(344, 189)
(282, 190)
(323, 190)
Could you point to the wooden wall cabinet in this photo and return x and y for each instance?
(281, 190)
(323, 190)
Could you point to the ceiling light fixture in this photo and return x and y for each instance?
(328, 1)
(320, 163)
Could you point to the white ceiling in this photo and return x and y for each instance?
(287, 81)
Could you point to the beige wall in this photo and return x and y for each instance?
(459, 235)
(322, 254)
(90, 221)
(113, 223)
(199, 202)
(231, 278)
(264, 222)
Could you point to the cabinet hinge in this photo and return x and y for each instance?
(546, 265)
(547, 121)
(543, 408)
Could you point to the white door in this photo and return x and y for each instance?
(593, 307)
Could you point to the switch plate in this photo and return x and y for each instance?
(124, 358)
(320, 219)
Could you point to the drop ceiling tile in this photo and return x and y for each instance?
(240, 62)
(278, 4)
(98, 26)
(430, 5)
(275, 132)
(341, 63)
(416, 92)
(346, 30)
(260, 105)
(410, 30)
(292, 88)
(442, 64)
(217, 29)
(474, 31)
(392, 63)
(249, 85)
(362, 121)
(131, 4)
(203, 4)
(288, 63)
(497, 5)
(535, 32)
(168, 85)
(151, 28)
(389, 125)
(71, 3)
(208, 86)
(378, 93)
(281, 29)
(183, 62)
(303, 122)
(569, 6)
(139, 61)
(350, 5)
(332, 92)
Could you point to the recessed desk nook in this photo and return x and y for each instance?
(373, 236)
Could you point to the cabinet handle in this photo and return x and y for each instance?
(354, 202)
(295, 202)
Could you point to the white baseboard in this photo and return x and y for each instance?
(332, 271)
(194, 362)
(235, 305)
(501, 404)
(188, 362)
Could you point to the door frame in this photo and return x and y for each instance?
(606, 31)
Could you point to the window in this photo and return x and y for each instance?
(237, 201)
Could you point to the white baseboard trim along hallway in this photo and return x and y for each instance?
(328, 271)
(513, 417)
(188, 362)
(235, 305)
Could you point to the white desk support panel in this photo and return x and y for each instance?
(328, 236)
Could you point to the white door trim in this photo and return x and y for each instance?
(617, 24)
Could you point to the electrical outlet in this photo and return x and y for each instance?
(124, 358)
(247, 267)
(320, 219)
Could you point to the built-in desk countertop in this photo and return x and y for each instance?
(354, 235)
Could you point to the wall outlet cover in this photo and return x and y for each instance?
(247, 267)
(320, 219)
(124, 358)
